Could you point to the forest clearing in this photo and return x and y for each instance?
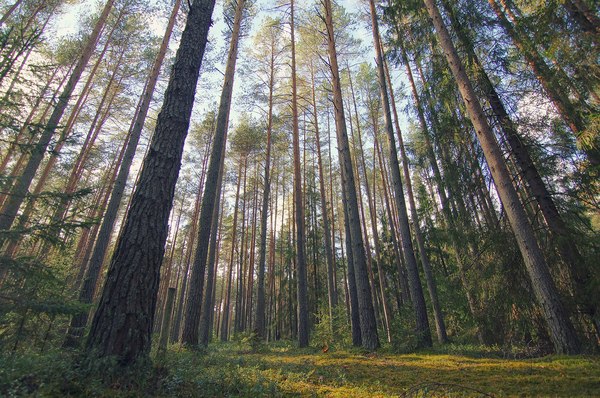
(299, 198)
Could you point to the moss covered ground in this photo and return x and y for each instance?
(280, 371)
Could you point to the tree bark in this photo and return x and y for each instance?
(368, 325)
(122, 324)
(88, 289)
(440, 326)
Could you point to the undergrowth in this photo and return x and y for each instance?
(244, 369)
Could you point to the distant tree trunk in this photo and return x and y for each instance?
(331, 291)
(260, 293)
(440, 326)
(237, 327)
(208, 307)
(368, 325)
(19, 190)
(193, 304)
(372, 212)
(561, 330)
(414, 282)
(251, 260)
(35, 110)
(122, 324)
(229, 275)
(402, 278)
(90, 283)
(299, 207)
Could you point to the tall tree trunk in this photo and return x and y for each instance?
(229, 275)
(372, 211)
(414, 282)
(19, 190)
(208, 307)
(561, 330)
(563, 240)
(122, 324)
(260, 294)
(368, 325)
(440, 326)
(302, 292)
(331, 291)
(352, 295)
(192, 305)
(88, 289)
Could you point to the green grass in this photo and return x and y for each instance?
(281, 370)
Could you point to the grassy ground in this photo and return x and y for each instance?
(235, 370)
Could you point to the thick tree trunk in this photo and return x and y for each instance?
(122, 324)
(561, 330)
(90, 283)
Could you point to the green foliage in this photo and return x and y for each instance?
(250, 339)
(332, 332)
(281, 370)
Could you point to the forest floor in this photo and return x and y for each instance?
(234, 370)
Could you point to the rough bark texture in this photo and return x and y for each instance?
(193, 303)
(90, 281)
(560, 327)
(122, 324)
(368, 324)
